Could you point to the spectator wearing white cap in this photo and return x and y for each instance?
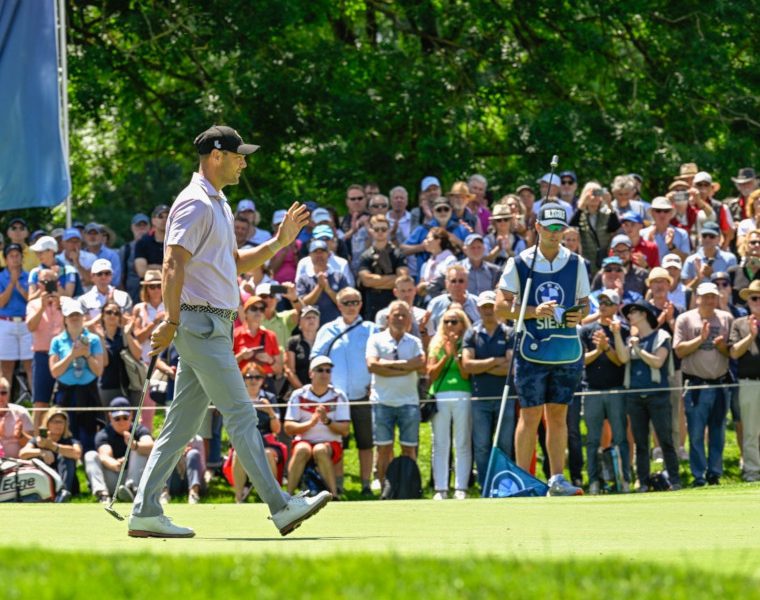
(669, 239)
(721, 214)
(701, 341)
(317, 417)
(679, 294)
(323, 284)
(283, 263)
(430, 189)
(95, 240)
(482, 275)
(74, 256)
(67, 277)
(708, 258)
(15, 339)
(76, 361)
(247, 209)
(102, 291)
(549, 185)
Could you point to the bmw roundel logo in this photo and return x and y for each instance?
(548, 291)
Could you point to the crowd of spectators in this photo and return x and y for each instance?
(364, 315)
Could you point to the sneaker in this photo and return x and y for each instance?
(298, 509)
(626, 488)
(657, 454)
(593, 488)
(159, 527)
(713, 479)
(366, 493)
(164, 498)
(675, 487)
(460, 495)
(125, 494)
(698, 483)
(751, 477)
(440, 496)
(375, 486)
(642, 489)
(559, 486)
(104, 498)
(683, 454)
(193, 497)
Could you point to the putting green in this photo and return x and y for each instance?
(716, 530)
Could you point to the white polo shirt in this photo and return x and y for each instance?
(394, 391)
(510, 282)
(201, 221)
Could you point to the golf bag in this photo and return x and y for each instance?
(611, 478)
(402, 480)
(28, 481)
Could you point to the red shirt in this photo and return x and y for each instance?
(264, 340)
(650, 251)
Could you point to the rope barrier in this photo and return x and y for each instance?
(585, 393)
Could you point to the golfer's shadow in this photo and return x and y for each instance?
(288, 539)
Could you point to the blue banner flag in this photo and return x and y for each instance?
(507, 480)
(33, 169)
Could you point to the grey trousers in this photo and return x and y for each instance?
(104, 480)
(207, 372)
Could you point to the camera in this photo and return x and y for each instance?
(278, 289)
(598, 192)
(51, 287)
(710, 261)
(680, 196)
(43, 432)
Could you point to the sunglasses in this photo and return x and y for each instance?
(753, 243)
(17, 228)
(154, 286)
(554, 228)
(451, 321)
(323, 370)
(252, 377)
(351, 302)
(379, 229)
(356, 198)
(3, 392)
(710, 235)
(721, 283)
(113, 313)
(442, 209)
(121, 418)
(703, 184)
(613, 270)
(379, 206)
(103, 274)
(256, 308)
(457, 281)
(567, 182)
(661, 210)
(606, 303)
(501, 220)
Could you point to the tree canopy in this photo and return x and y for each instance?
(347, 91)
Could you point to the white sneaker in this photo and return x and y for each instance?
(657, 454)
(298, 509)
(683, 454)
(460, 495)
(165, 498)
(160, 527)
(193, 497)
(375, 486)
(593, 488)
(440, 495)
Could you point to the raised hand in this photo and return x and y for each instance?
(296, 219)
(705, 333)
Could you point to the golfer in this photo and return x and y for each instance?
(201, 298)
(548, 364)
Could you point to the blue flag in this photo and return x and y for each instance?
(33, 169)
(506, 479)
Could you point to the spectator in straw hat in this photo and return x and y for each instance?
(502, 239)
(459, 196)
(752, 221)
(669, 239)
(745, 349)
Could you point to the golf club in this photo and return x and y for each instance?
(110, 509)
(517, 333)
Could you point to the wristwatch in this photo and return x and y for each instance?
(327, 421)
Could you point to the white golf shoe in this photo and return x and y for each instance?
(298, 509)
(160, 527)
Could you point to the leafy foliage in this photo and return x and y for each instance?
(338, 92)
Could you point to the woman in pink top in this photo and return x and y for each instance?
(45, 321)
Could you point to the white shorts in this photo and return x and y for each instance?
(15, 341)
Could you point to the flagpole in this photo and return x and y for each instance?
(63, 84)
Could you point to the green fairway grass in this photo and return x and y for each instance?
(695, 543)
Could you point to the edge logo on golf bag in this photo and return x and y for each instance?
(28, 481)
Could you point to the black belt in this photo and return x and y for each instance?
(700, 381)
(226, 313)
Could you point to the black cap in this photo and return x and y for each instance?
(77, 224)
(649, 310)
(9, 247)
(552, 213)
(17, 220)
(161, 208)
(222, 137)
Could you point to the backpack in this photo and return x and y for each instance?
(611, 473)
(312, 480)
(28, 481)
(402, 480)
